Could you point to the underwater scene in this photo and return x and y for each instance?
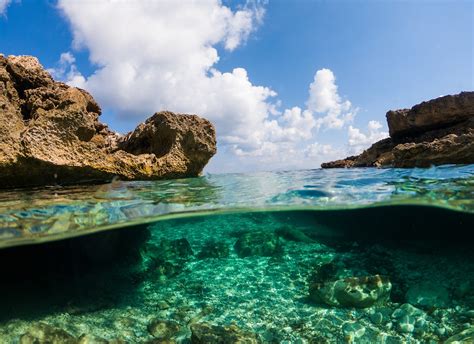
(314, 256)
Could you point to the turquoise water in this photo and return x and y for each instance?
(317, 256)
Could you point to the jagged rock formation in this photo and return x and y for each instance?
(50, 134)
(436, 132)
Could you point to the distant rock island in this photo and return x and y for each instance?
(435, 132)
(50, 134)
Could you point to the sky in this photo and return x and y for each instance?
(288, 84)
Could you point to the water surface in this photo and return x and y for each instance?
(317, 256)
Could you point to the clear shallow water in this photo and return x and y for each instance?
(320, 256)
(57, 212)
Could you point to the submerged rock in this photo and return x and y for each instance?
(163, 329)
(203, 333)
(41, 333)
(265, 244)
(436, 132)
(464, 337)
(167, 259)
(214, 249)
(50, 134)
(359, 292)
(428, 295)
(293, 234)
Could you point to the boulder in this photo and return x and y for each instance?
(359, 292)
(437, 132)
(50, 134)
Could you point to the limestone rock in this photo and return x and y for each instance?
(203, 333)
(432, 114)
(50, 134)
(359, 292)
(437, 132)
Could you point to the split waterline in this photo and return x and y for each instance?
(363, 256)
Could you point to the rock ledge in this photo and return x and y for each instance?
(50, 134)
(436, 132)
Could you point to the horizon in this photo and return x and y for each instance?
(282, 97)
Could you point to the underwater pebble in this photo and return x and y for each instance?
(353, 329)
(409, 318)
(376, 318)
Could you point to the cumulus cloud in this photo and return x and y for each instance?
(358, 141)
(67, 71)
(324, 99)
(156, 55)
(3, 6)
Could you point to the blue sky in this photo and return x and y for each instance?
(383, 55)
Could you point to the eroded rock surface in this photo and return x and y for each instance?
(436, 132)
(50, 134)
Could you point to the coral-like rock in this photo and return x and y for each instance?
(437, 132)
(50, 133)
(360, 292)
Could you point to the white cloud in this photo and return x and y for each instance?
(66, 70)
(317, 150)
(359, 141)
(324, 99)
(157, 55)
(3, 6)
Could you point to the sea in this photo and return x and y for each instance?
(312, 256)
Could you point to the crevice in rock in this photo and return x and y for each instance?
(21, 85)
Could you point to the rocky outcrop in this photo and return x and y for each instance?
(436, 132)
(50, 134)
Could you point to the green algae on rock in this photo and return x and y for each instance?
(50, 134)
